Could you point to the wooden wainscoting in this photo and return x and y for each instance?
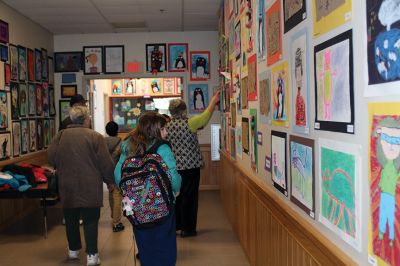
(13, 209)
(270, 232)
(209, 174)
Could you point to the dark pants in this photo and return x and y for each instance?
(187, 201)
(90, 217)
(157, 245)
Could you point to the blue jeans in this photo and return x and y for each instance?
(386, 214)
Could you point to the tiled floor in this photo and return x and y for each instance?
(216, 245)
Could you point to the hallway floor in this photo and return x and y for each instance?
(215, 245)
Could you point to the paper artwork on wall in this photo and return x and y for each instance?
(244, 93)
(280, 95)
(32, 134)
(116, 86)
(24, 136)
(3, 110)
(383, 173)
(339, 175)
(32, 99)
(253, 140)
(245, 135)
(302, 175)
(264, 88)
(252, 78)
(5, 140)
(334, 96)
(114, 59)
(16, 131)
(330, 14)
(14, 87)
(278, 161)
(244, 43)
(23, 100)
(200, 65)
(14, 61)
(233, 114)
(233, 143)
(177, 57)
(237, 41)
(93, 59)
(239, 147)
(198, 97)
(300, 82)
(294, 12)
(274, 33)
(261, 43)
(383, 37)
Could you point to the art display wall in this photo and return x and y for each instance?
(317, 83)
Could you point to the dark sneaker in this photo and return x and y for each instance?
(118, 227)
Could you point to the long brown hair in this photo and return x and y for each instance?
(147, 131)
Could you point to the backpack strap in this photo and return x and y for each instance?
(156, 145)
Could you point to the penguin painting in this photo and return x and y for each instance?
(201, 67)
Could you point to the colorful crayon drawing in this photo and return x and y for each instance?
(278, 161)
(384, 171)
(339, 189)
(280, 95)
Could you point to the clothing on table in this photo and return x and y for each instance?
(90, 217)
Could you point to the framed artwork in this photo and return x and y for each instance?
(52, 102)
(51, 70)
(3, 110)
(116, 86)
(264, 89)
(340, 191)
(93, 63)
(68, 78)
(239, 147)
(253, 140)
(294, 12)
(156, 57)
(31, 99)
(46, 133)
(39, 134)
(383, 152)
(334, 97)
(278, 157)
(24, 136)
(22, 69)
(30, 64)
(200, 68)
(130, 86)
(177, 57)
(16, 131)
(233, 114)
(63, 109)
(14, 87)
(39, 100)
(169, 85)
(45, 65)
(4, 32)
(232, 143)
(7, 74)
(156, 86)
(38, 65)
(300, 82)
(245, 135)
(32, 134)
(252, 78)
(261, 43)
(302, 174)
(68, 61)
(23, 100)
(259, 138)
(237, 42)
(244, 100)
(68, 91)
(3, 53)
(280, 95)
(328, 15)
(14, 61)
(198, 97)
(274, 33)
(5, 142)
(114, 59)
(45, 99)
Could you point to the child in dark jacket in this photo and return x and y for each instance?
(115, 196)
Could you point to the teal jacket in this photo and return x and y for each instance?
(166, 154)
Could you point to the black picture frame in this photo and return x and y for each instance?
(3, 53)
(162, 47)
(114, 59)
(16, 132)
(63, 109)
(68, 61)
(279, 135)
(4, 32)
(45, 65)
(14, 88)
(93, 60)
(31, 99)
(322, 123)
(68, 91)
(5, 143)
(39, 134)
(294, 19)
(52, 102)
(38, 65)
(22, 63)
(24, 136)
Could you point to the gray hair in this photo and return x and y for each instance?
(177, 108)
(79, 114)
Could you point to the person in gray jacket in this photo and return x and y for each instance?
(81, 158)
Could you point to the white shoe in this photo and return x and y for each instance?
(73, 254)
(93, 259)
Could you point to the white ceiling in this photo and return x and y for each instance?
(107, 16)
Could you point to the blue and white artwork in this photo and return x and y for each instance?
(177, 57)
(261, 31)
(383, 42)
(198, 97)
